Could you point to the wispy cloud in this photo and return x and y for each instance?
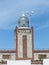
(10, 10)
(44, 26)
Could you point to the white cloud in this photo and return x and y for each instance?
(46, 25)
(10, 10)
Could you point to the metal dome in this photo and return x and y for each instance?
(23, 21)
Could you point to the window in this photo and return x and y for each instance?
(24, 46)
(6, 56)
(42, 56)
(3, 62)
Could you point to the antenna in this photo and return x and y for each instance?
(23, 13)
(27, 13)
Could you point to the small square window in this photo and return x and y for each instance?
(42, 56)
(6, 56)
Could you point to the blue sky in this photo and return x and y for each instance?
(11, 10)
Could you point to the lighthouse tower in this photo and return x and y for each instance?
(24, 42)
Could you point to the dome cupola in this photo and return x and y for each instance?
(23, 21)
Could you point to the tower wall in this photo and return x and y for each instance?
(24, 46)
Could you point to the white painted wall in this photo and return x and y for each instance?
(20, 46)
(46, 62)
(18, 62)
(29, 46)
(20, 43)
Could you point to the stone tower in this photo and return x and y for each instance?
(24, 42)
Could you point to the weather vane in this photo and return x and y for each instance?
(27, 13)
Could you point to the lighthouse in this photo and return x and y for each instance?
(24, 39)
